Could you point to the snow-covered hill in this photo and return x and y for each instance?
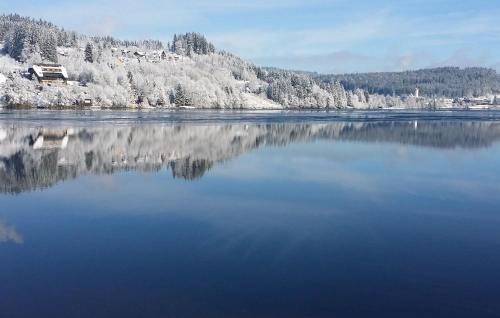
(188, 71)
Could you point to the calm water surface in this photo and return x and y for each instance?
(127, 214)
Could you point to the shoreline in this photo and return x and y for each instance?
(263, 109)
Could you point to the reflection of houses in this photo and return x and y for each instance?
(51, 140)
(496, 100)
(49, 73)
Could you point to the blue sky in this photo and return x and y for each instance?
(317, 35)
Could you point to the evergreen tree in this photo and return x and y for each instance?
(73, 40)
(99, 53)
(49, 47)
(89, 53)
(180, 96)
(350, 102)
(191, 43)
(174, 42)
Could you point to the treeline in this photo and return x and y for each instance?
(25, 37)
(191, 43)
(437, 82)
(109, 41)
(301, 89)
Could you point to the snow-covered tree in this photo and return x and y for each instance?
(181, 97)
(202, 76)
(89, 53)
(49, 47)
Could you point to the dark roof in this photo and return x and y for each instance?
(49, 65)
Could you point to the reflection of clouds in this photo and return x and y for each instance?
(457, 187)
(3, 134)
(9, 234)
(320, 163)
(103, 182)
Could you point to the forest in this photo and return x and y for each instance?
(190, 71)
(449, 82)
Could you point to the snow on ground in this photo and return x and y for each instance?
(256, 102)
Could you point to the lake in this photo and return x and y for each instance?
(249, 214)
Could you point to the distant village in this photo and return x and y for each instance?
(52, 74)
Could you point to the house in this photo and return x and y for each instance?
(140, 54)
(49, 73)
(172, 57)
(156, 56)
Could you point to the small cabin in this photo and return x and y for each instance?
(49, 73)
(87, 102)
(140, 54)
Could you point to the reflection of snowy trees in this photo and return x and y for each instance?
(190, 150)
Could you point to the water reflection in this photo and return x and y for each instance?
(36, 158)
(339, 218)
(9, 234)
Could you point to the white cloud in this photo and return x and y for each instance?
(128, 16)
(346, 37)
(265, 42)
